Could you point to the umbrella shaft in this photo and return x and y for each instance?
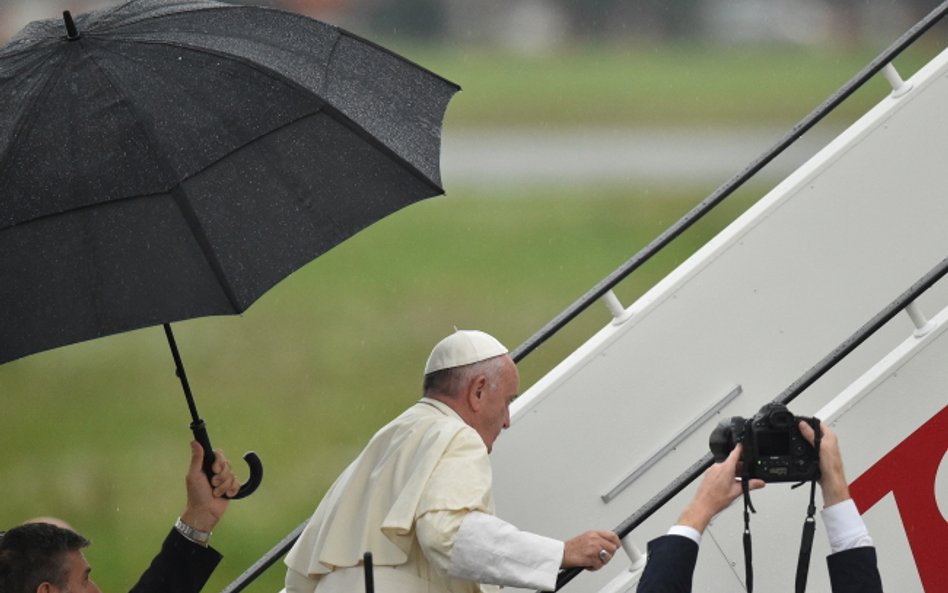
(179, 370)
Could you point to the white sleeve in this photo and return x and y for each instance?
(845, 527)
(491, 551)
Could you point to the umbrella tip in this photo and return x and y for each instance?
(71, 32)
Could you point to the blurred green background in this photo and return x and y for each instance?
(97, 433)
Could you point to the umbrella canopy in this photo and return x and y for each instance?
(170, 159)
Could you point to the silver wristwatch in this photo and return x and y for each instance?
(195, 535)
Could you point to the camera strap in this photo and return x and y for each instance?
(806, 543)
(748, 509)
(748, 561)
(809, 524)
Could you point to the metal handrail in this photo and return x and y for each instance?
(266, 561)
(640, 258)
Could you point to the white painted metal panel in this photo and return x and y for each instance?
(756, 307)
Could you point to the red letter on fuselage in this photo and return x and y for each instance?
(908, 471)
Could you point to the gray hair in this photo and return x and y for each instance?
(450, 382)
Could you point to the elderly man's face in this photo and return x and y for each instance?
(494, 415)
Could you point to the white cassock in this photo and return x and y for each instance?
(419, 498)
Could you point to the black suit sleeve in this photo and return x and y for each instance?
(181, 567)
(671, 565)
(854, 571)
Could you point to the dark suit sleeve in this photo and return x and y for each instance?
(854, 571)
(671, 565)
(181, 567)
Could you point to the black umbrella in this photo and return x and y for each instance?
(169, 159)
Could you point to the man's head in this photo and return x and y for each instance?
(44, 558)
(472, 372)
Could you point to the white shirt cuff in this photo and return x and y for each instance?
(689, 532)
(491, 551)
(845, 527)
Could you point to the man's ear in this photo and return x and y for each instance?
(476, 392)
(46, 587)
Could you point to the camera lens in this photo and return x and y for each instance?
(721, 441)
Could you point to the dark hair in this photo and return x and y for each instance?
(35, 553)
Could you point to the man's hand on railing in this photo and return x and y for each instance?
(591, 550)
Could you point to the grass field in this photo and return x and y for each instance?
(657, 86)
(97, 432)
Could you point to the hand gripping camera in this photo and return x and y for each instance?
(774, 449)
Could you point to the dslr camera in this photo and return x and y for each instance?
(774, 449)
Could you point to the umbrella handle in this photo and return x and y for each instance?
(253, 462)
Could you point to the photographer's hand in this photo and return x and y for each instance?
(718, 489)
(833, 483)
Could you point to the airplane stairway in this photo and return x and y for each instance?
(734, 325)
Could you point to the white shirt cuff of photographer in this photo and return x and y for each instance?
(845, 527)
(685, 531)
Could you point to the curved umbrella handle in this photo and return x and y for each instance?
(256, 476)
(253, 462)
